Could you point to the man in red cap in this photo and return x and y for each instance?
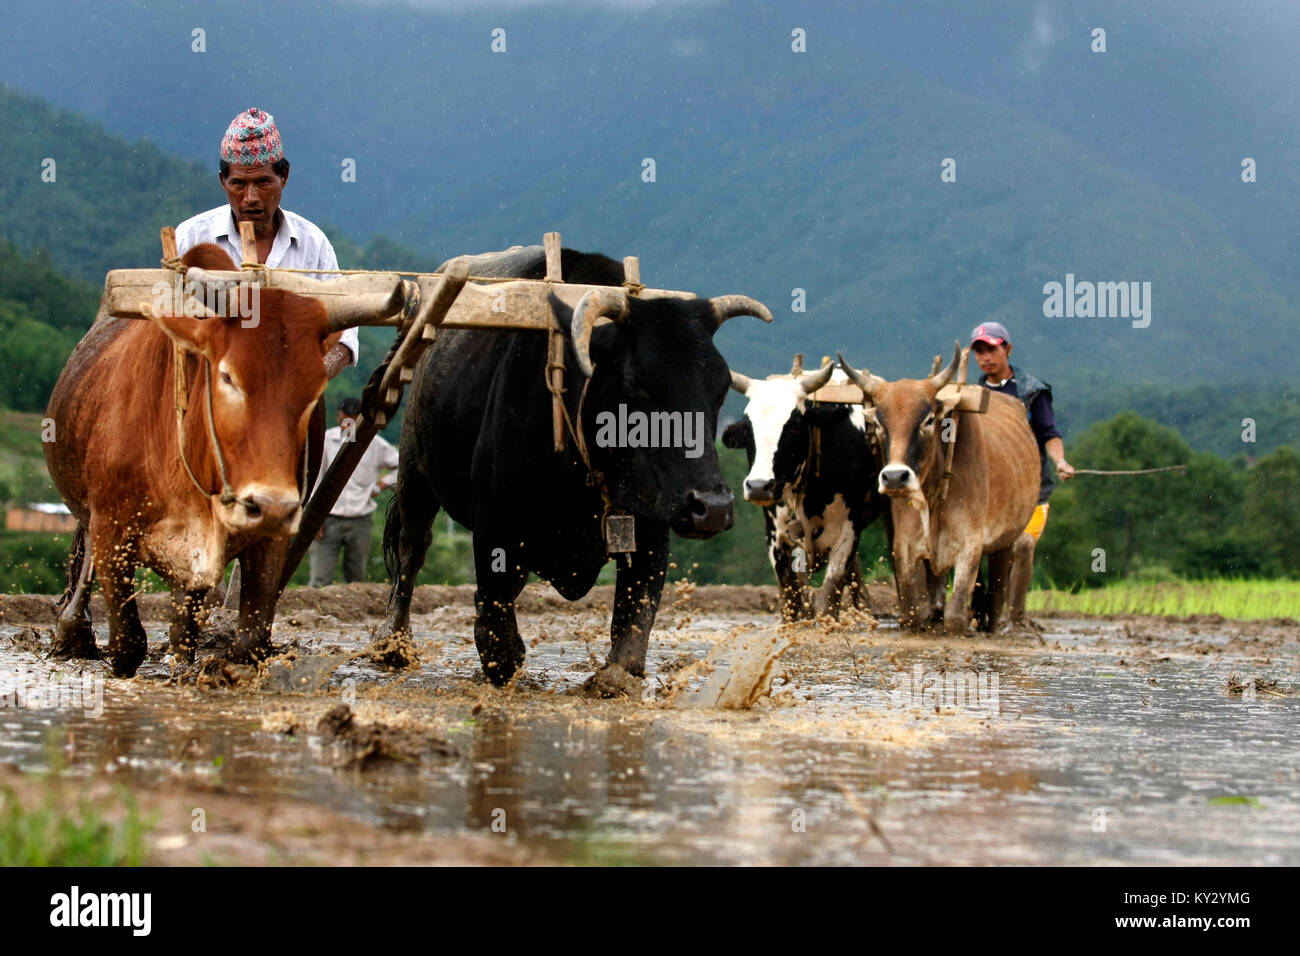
(253, 172)
(991, 345)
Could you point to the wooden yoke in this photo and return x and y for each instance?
(952, 443)
(180, 384)
(248, 242)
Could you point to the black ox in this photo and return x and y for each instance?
(477, 442)
(813, 471)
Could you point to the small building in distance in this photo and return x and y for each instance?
(41, 516)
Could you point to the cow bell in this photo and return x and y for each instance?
(620, 534)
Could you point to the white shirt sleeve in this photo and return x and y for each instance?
(328, 260)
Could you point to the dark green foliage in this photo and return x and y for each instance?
(1219, 519)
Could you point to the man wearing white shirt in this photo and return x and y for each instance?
(348, 526)
(253, 172)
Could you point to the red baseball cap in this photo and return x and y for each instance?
(994, 333)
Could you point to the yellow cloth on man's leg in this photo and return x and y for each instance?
(1037, 521)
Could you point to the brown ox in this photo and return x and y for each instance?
(116, 460)
(991, 494)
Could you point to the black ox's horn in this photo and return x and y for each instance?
(596, 304)
(729, 306)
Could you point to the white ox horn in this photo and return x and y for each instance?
(812, 381)
(864, 380)
(740, 382)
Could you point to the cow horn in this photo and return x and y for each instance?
(864, 379)
(943, 378)
(740, 382)
(596, 304)
(729, 306)
(371, 308)
(812, 381)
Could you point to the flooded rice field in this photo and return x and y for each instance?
(1103, 741)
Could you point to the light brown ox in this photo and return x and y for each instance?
(990, 498)
(115, 459)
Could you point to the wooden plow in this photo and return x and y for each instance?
(452, 299)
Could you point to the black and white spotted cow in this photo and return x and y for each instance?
(813, 472)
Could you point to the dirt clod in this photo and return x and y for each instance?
(364, 745)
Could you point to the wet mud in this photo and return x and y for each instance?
(1100, 741)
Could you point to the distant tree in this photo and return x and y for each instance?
(1272, 518)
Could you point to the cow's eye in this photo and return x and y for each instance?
(929, 421)
(227, 380)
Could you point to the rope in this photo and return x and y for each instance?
(1135, 471)
(594, 478)
(181, 402)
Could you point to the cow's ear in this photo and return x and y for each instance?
(184, 331)
(736, 435)
(605, 340)
(328, 341)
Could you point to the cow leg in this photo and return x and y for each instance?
(937, 593)
(185, 626)
(843, 551)
(408, 532)
(1022, 572)
(638, 584)
(127, 643)
(501, 575)
(913, 579)
(73, 635)
(781, 556)
(259, 590)
(1000, 570)
(857, 585)
(956, 616)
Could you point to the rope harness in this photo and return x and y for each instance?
(180, 402)
(595, 478)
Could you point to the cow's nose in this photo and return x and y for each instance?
(711, 511)
(895, 476)
(270, 510)
(761, 489)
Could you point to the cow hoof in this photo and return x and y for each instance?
(125, 664)
(500, 673)
(74, 643)
(245, 653)
(612, 681)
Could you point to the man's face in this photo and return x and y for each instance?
(994, 360)
(254, 194)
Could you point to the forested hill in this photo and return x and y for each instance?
(775, 170)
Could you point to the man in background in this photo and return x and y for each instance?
(348, 526)
(991, 345)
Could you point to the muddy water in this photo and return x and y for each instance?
(1100, 744)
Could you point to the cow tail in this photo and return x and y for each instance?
(392, 546)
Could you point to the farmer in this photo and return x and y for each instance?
(991, 344)
(348, 526)
(253, 172)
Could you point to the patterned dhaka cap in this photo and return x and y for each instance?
(252, 140)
